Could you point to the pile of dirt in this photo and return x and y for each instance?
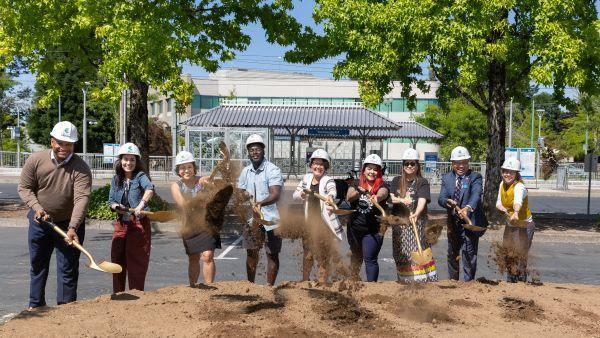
(239, 308)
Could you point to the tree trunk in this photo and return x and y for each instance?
(137, 119)
(496, 128)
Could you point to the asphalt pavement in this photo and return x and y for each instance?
(564, 262)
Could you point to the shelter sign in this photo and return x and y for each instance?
(328, 132)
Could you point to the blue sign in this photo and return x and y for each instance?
(430, 162)
(328, 132)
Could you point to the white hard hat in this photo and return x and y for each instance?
(129, 149)
(320, 153)
(459, 153)
(65, 131)
(511, 163)
(410, 154)
(184, 157)
(254, 138)
(373, 159)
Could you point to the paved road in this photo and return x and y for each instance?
(556, 262)
(549, 201)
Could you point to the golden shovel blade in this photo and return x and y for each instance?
(422, 258)
(103, 267)
(106, 267)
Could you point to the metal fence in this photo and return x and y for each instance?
(161, 168)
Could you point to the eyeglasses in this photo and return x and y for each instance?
(409, 164)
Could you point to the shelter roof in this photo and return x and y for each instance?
(353, 117)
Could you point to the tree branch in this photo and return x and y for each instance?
(456, 88)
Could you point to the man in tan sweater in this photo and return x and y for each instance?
(56, 185)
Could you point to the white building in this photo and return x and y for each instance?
(283, 88)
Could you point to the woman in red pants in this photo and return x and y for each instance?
(130, 188)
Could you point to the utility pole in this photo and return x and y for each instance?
(539, 148)
(532, 119)
(173, 130)
(18, 138)
(123, 118)
(510, 124)
(84, 90)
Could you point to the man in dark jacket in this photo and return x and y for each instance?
(463, 188)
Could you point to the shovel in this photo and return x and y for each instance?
(384, 225)
(518, 223)
(335, 210)
(469, 224)
(421, 257)
(157, 216)
(261, 219)
(103, 266)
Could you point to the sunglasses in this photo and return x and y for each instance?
(409, 164)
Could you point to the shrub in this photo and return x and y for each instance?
(98, 208)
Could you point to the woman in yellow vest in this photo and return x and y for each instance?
(518, 233)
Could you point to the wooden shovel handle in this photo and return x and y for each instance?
(319, 196)
(64, 235)
(383, 213)
(466, 219)
(417, 237)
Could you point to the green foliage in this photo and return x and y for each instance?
(69, 81)
(98, 207)
(136, 41)
(587, 117)
(13, 100)
(461, 124)
(482, 51)
(551, 42)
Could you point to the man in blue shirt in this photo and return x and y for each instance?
(263, 182)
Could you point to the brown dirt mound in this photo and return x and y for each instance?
(519, 309)
(224, 309)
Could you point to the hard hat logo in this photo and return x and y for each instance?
(459, 153)
(64, 131)
(129, 148)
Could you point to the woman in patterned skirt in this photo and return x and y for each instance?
(410, 196)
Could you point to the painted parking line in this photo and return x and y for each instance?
(229, 248)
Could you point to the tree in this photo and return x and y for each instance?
(587, 118)
(68, 79)
(137, 44)
(13, 101)
(482, 51)
(461, 124)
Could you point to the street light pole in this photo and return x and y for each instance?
(510, 124)
(84, 90)
(18, 138)
(388, 102)
(59, 109)
(532, 119)
(539, 163)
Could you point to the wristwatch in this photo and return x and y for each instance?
(468, 206)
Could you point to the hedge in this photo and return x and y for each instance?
(98, 208)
